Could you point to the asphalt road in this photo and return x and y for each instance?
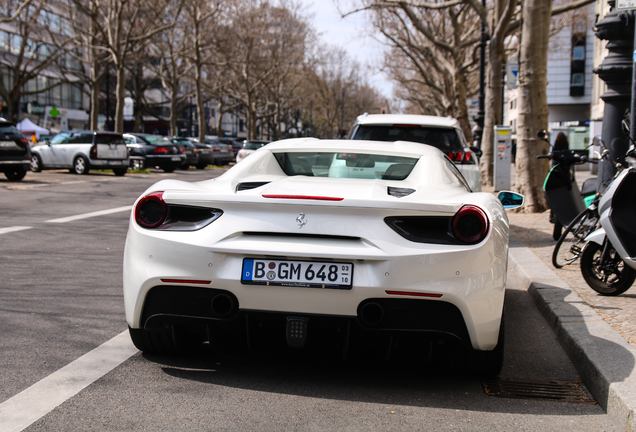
(61, 297)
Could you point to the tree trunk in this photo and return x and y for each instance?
(174, 130)
(533, 103)
(120, 94)
(462, 109)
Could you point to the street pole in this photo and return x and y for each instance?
(617, 70)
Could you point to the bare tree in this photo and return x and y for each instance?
(126, 27)
(433, 50)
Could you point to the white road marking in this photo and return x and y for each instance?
(13, 229)
(90, 215)
(44, 396)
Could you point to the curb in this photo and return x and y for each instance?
(605, 361)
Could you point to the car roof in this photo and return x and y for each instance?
(421, 120)
(346, 146)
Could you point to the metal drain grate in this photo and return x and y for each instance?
(565, 391)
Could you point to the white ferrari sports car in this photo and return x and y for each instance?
(308, 241)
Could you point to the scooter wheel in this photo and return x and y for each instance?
(610, 277)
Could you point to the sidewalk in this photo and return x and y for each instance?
(598, 333)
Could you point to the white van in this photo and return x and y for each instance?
(441, 132)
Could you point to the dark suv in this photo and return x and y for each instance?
(15, 151)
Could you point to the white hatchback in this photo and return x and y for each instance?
(441, 132)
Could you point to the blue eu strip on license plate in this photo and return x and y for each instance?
(303, 274)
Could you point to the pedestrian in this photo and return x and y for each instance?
(561, 142)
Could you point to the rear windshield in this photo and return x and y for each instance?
(109, 139)
(253, 145)
(156, 139)
(445, 139)
(8, 129)
(346, 165)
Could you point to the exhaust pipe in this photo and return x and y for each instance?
(371, 313)
(223, 305)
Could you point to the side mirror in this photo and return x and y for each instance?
(598, 141)
(47, 142)
(477, 151)
(543, 135)
(510, 200)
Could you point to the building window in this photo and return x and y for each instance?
(578, 52)
(578, 80)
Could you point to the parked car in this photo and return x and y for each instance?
(15, 151)
(237, 144)
(154, 151)
(80, 151)
(222, 153)
(332, 256)
(249, 147)
(441, 132)
(190, 151)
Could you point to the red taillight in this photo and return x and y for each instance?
(190, 281)
(215, 149)
(460, 157)
(304, 197)
(24, 140)
(161, 150)
(470, 224)
(93, 152)
(182, 149)
(151, 211)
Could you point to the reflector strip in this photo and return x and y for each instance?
(201, 282)
(414, 294)
(304, 197)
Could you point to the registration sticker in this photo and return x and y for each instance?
(303, 274)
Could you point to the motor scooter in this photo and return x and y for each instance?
(561, 190)
(608, 261)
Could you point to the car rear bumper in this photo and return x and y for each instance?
(471, 281)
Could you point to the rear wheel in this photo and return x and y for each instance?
(168, 169)
(571, 243)
(138, 164)
(609, 276)
(120, 171)
(36, 163)
(15, 174)
(80, 165)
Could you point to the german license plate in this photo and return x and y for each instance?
(303, 274)
(175, 159)
(8, 144)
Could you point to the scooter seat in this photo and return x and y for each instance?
(589, 186)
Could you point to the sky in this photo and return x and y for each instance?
(350, 33)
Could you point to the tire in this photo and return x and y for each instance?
(200, 167)
(15, 174)
(611, 278)
(490, 363)
(119, 172)
(80, 165)
(570, 245)
(138, 164)
(168, 169)
(176, 341)
(184, 167)
(36, 163)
